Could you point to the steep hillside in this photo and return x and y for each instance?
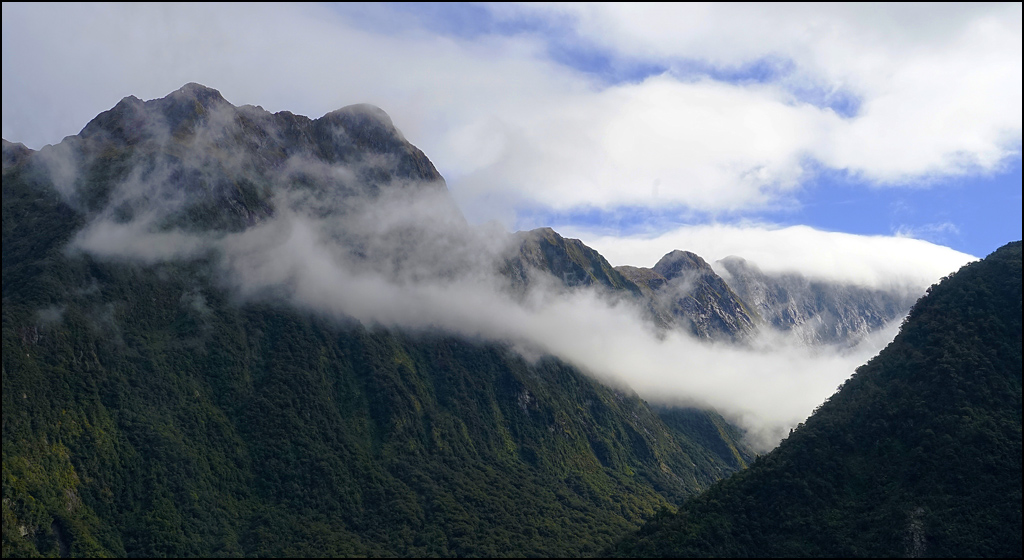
(571, 262)
(685, 292)
(918, 454)
(151, 407)
(814, 310)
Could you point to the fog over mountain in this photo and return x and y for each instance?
(917, 455)
(342, 217)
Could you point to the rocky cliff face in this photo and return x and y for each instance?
(817, 312)
(917, 454)
(569, 261)
(152, 407)
(201, 164)
(684, 292)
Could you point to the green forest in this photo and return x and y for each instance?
(149, 409)
(918, 454)
(148, 413)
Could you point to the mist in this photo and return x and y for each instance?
(395, 253)
(766, 386)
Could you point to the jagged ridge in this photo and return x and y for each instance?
(918, 454)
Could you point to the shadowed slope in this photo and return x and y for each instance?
(151, 410)
(918, 454)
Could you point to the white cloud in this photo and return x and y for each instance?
(940, 85)
(136, 241)
(939, 91)
(886, 262)
(704, 144)
(402, 259)
(766, 388)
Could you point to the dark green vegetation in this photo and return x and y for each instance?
(918, 454)
(149, 412)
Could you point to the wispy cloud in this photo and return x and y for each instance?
(935, 232)
(900, 262)
(401, 257)
(710, 109)
(936, 89)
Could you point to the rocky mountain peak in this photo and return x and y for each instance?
(683, 290)
(123, 123)
(180, 112)
(364, 115)
(202, 163)
(569, 260)
(816, 311)
(206, 96)
(678, 262)
(14, 153)
(738, 266)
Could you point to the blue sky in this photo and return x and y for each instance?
(610, 122)
(873, 144)
(973, 213)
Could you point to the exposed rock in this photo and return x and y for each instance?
(568, 260)
(816, 311)
(685, 292)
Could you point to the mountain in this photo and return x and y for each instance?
(571, 262)
(685, 292)
(918, 454)
(175, 385)
(816, 311)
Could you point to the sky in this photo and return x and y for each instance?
(891, 132)
(878, 145)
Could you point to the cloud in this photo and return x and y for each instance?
(50, 315)
(765, 387)
(935, 232)
(937, 90)
(137, 241)
(401, 259)
(886, 262)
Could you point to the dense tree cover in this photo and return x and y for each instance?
(918, 454)
(147, 413)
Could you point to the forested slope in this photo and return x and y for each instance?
(918, 454)
(149, 410)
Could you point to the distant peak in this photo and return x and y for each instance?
(364, 111)
(364, 116)
(128, 101)
(738, 266)
(192, 88)
(544, 232)
(205, 96)
(676, 262)
(734, 260)
(14, 153)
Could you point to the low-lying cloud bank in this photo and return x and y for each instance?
(881, 262)
(395, 253)
(930, 91)
(418, 270)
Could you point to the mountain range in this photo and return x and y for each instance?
(917, 455)
(227, 331)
